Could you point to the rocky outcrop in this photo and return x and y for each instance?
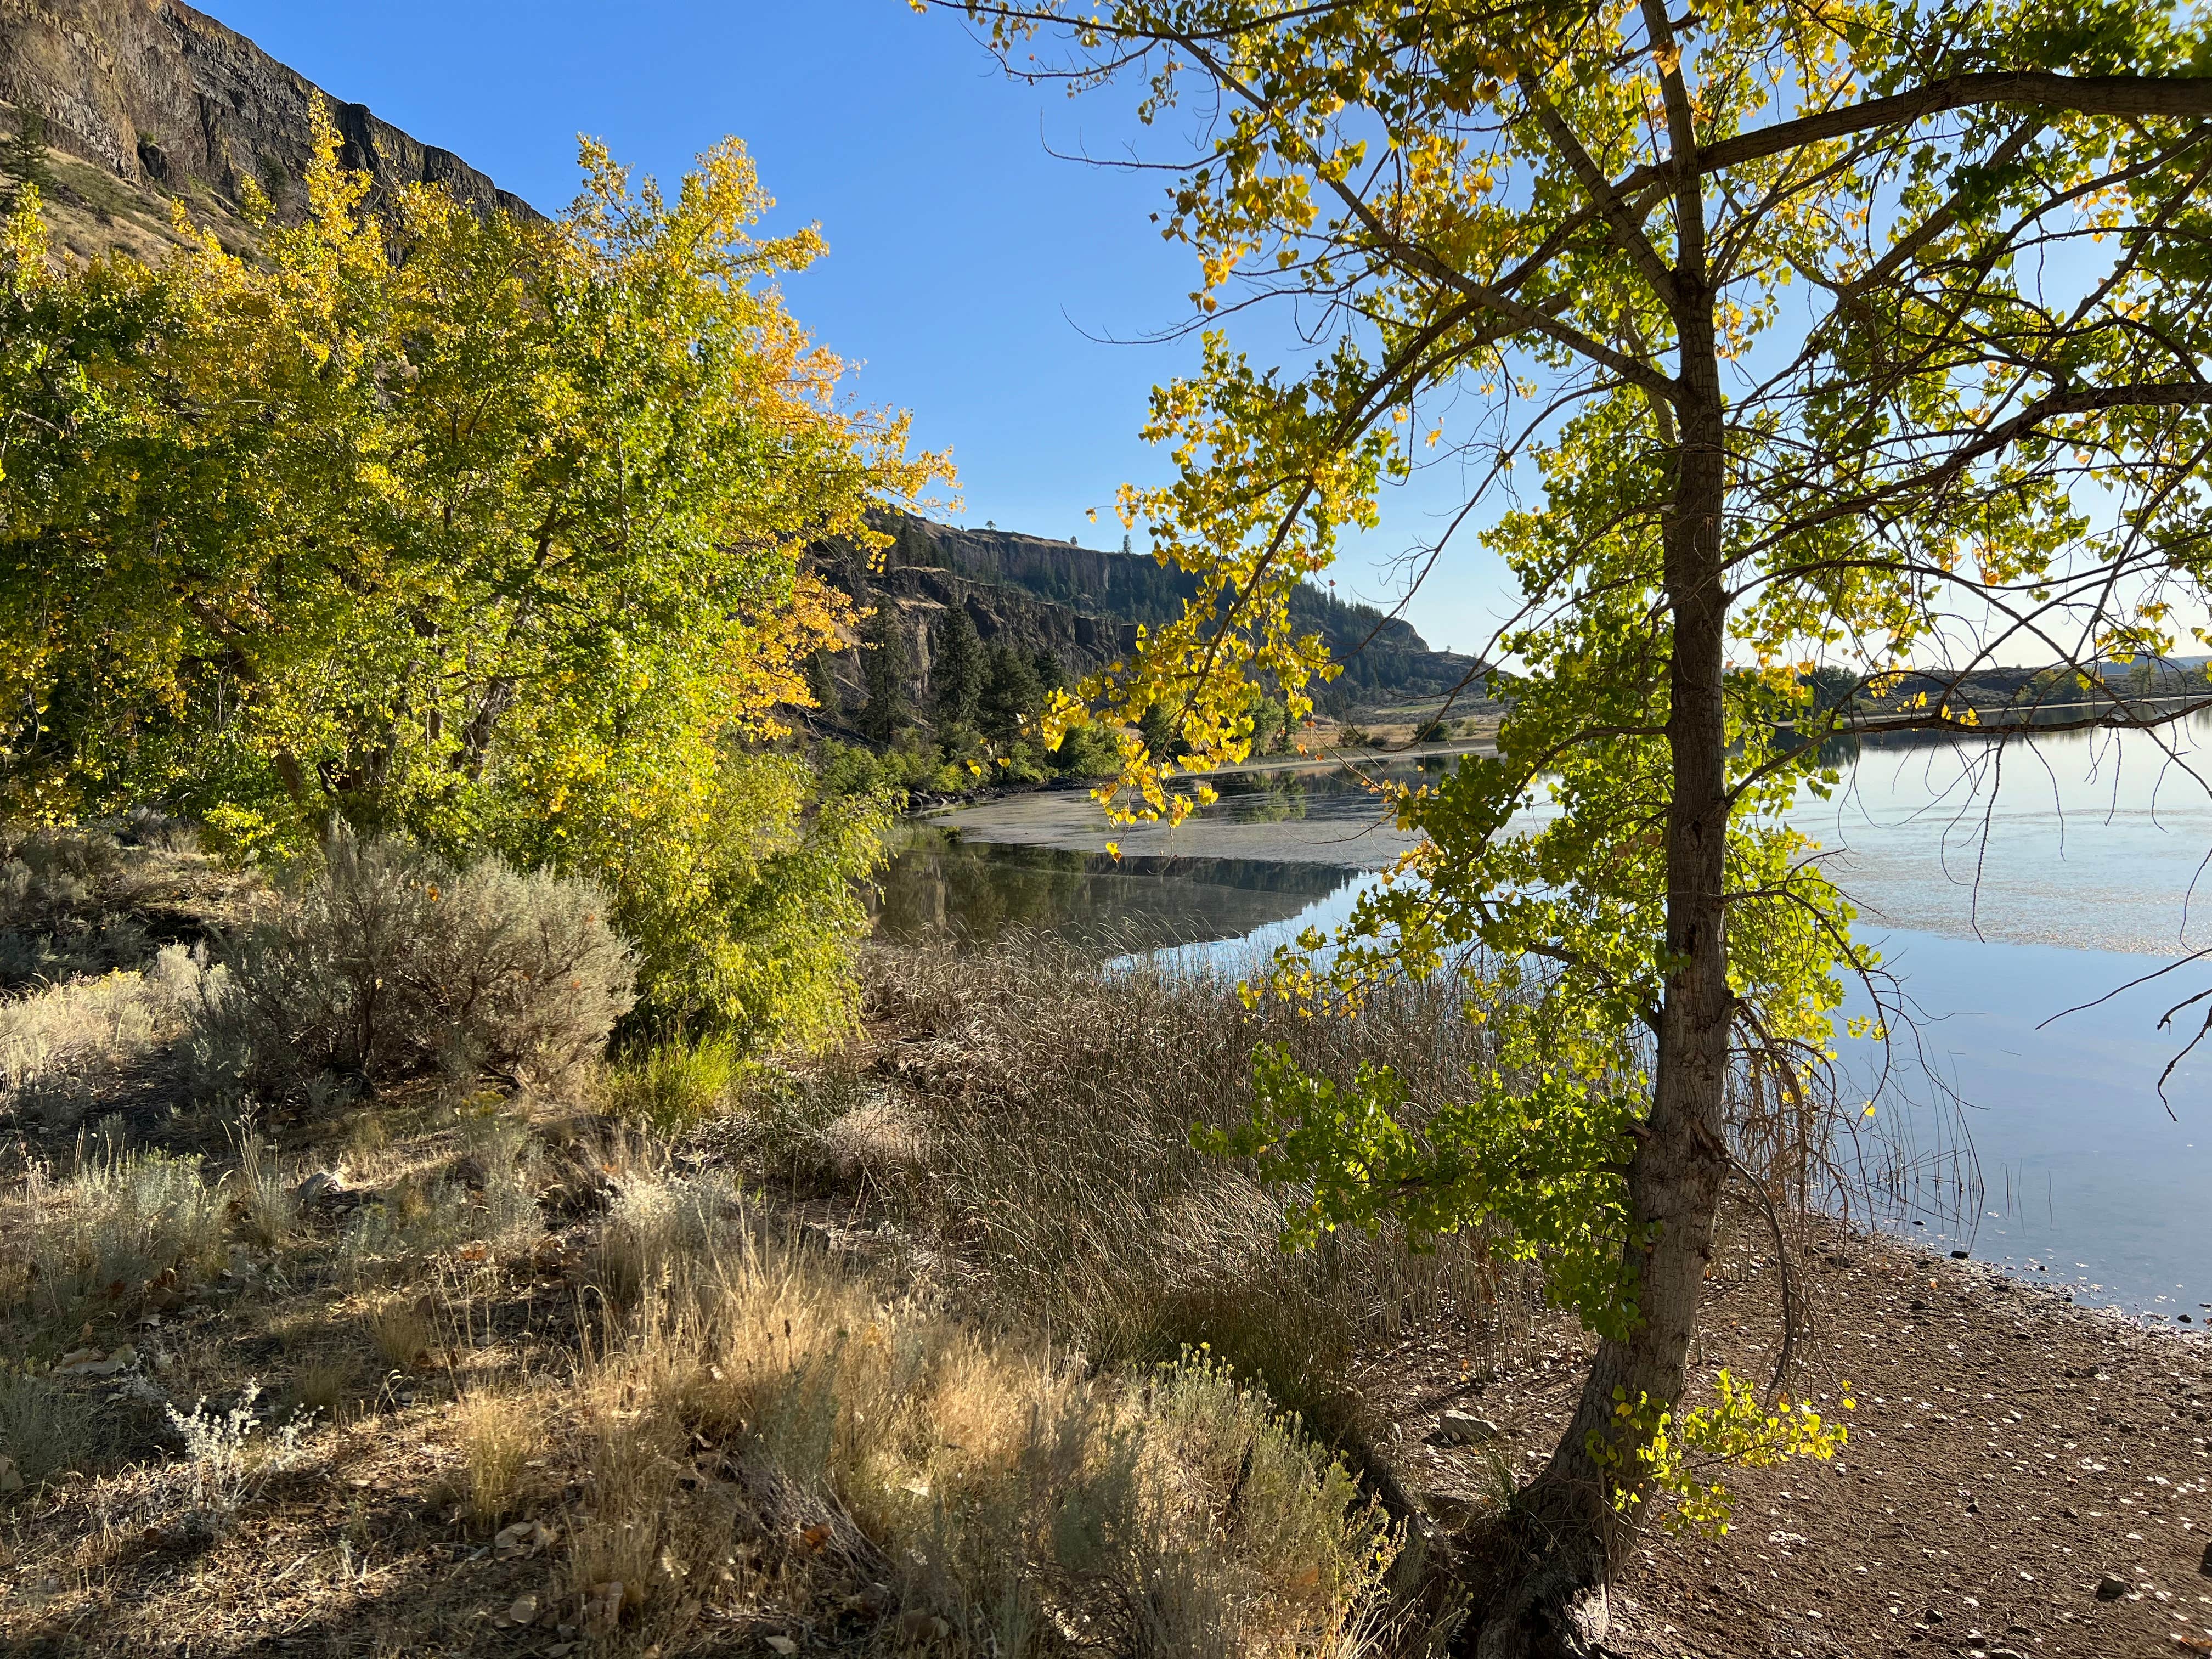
(168, 102)
(919, 595)
(1084, 605)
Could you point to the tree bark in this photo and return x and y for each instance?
(1564, 1537)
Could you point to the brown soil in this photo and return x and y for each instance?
(2009, 1453)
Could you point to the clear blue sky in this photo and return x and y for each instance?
(967, 264)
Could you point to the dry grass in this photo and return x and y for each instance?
(115, 1229)
(498, 1433)
(872, 1458)
(1030, 1114)
(706, 1427)
(69, 1050)
(78, 901)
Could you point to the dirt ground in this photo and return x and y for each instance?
(2023, 1477)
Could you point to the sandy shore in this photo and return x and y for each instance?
(2024, 1477)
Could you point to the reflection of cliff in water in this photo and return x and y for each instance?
(940, 887)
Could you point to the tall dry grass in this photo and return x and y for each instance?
(69, 1049)
(118, 1222)
(1031, 1111)
(764, 1423)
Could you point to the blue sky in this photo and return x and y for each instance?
(978, 277)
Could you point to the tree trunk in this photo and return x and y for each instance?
(1547, 1593)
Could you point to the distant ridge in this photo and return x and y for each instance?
(1384, 658)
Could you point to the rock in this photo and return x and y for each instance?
(156, 95)
(523, 1538)
(525, 1609)
(1960, 1256)
(11, 1478)
(779, 1644)
(318, 1188)
(1464, 1429)
(2110, 1589)
(90, 1362)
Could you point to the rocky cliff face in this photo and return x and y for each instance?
(158, 101)
(1084, 604)
(919, 595)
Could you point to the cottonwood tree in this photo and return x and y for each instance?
(1833, 335)
(489, 530)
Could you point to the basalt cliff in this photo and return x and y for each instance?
(1084, 605)
(148, 101)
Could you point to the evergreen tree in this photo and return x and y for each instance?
(1157, 727)
(957, 668)
(884, 660)
(1051, 676)
(1011, 696)
(26, 154)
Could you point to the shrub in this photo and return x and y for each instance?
(1048, 1103)
(672, 1085)
(387, 961)
(63, 897)
(997, 1496)
(745, 915)
(62, 1049)
(47, 1430)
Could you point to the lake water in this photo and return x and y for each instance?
(2003, 887)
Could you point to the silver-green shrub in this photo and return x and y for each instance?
(385, 961)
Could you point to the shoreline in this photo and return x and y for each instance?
(2024, 1475)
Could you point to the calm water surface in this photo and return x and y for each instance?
(2004, 887)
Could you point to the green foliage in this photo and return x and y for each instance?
(485, 531)
(889, 776)
(822, 685)
(1089, 751)
(1677, 1454)
(673, 1085)
(1012, 699)
(26, 162)
(744, 923)
(1158, 730)
(885, 663)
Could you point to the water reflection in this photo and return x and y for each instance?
(2007, 882)
(2090, 840)
(941, 886)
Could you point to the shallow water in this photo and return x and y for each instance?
(2004, 887)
